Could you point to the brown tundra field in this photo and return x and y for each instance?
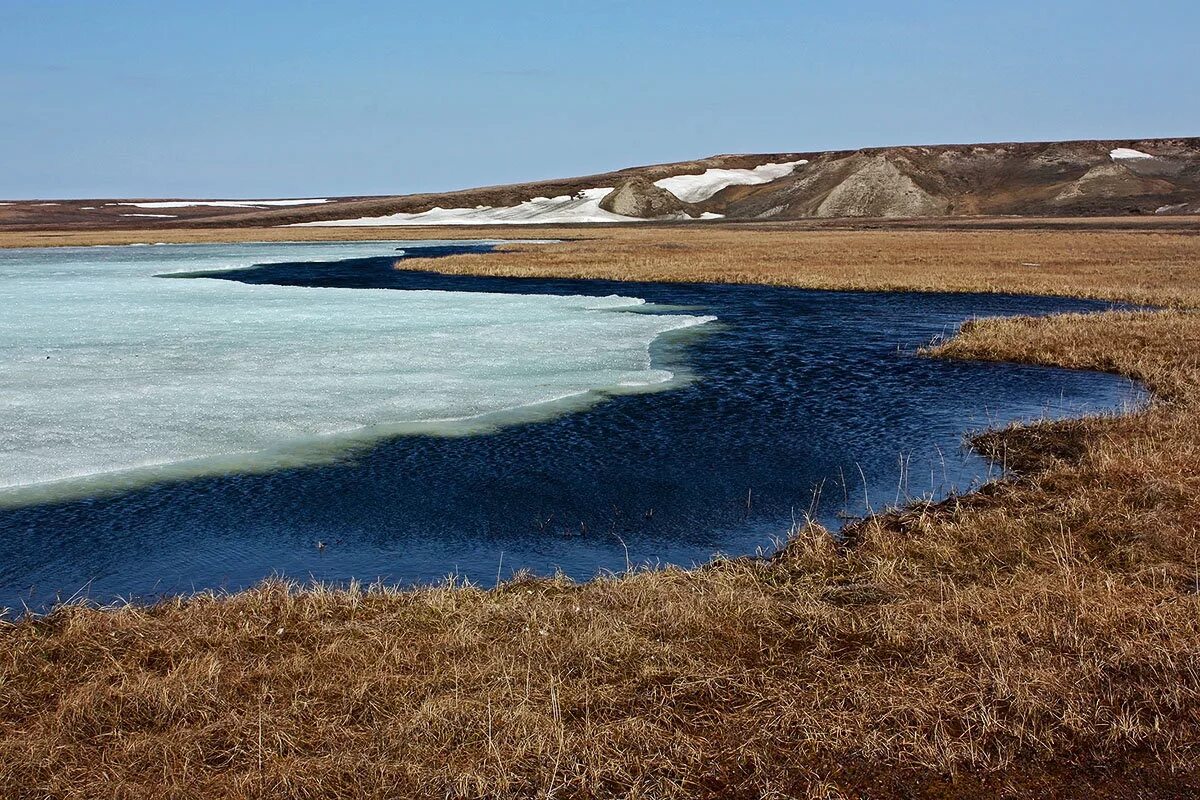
(1037, 638)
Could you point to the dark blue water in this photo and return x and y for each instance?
(804, 401)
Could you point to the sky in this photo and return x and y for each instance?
(215, 99)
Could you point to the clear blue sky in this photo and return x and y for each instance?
(272, 98)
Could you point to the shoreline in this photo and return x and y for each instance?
(49, 236)
(334, 448)
(1137, 260)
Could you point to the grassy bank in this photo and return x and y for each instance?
(1039, 637)
(1151, 267)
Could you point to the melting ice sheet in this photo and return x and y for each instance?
(105, 367)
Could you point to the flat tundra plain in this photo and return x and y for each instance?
(1039, 637)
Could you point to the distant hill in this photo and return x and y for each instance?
(1078, 178)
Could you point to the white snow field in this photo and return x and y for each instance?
(108, 368)
(572, 209)
(564, 209)
(1127, 153)
(223, 203)
(695, 188)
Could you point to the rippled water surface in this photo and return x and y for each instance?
(794, 401)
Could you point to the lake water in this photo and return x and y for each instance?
(326, 416)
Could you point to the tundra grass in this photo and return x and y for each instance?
(1151, 261)
(1039, 637)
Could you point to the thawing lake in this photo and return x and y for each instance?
(189, 417)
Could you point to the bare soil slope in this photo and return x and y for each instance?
(1051, 178)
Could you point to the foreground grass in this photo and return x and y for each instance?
(1039, 637)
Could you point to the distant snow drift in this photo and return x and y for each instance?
(697, 188)
(223, 203)
(1126, 153)
(584, 207)
(581, 208)
(108, 368)
(564, 209)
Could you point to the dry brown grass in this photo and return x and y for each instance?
(1144, 260)
(1151, 267)
(1038, 638)
(1148, 260)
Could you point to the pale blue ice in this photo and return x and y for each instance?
(105, 367)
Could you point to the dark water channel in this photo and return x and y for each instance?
(793, 390)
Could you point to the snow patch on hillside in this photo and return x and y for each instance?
(583, 207)
(224, 203)
(1126, 153)
(697, 188)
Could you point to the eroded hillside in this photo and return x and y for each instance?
(1062, 179)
